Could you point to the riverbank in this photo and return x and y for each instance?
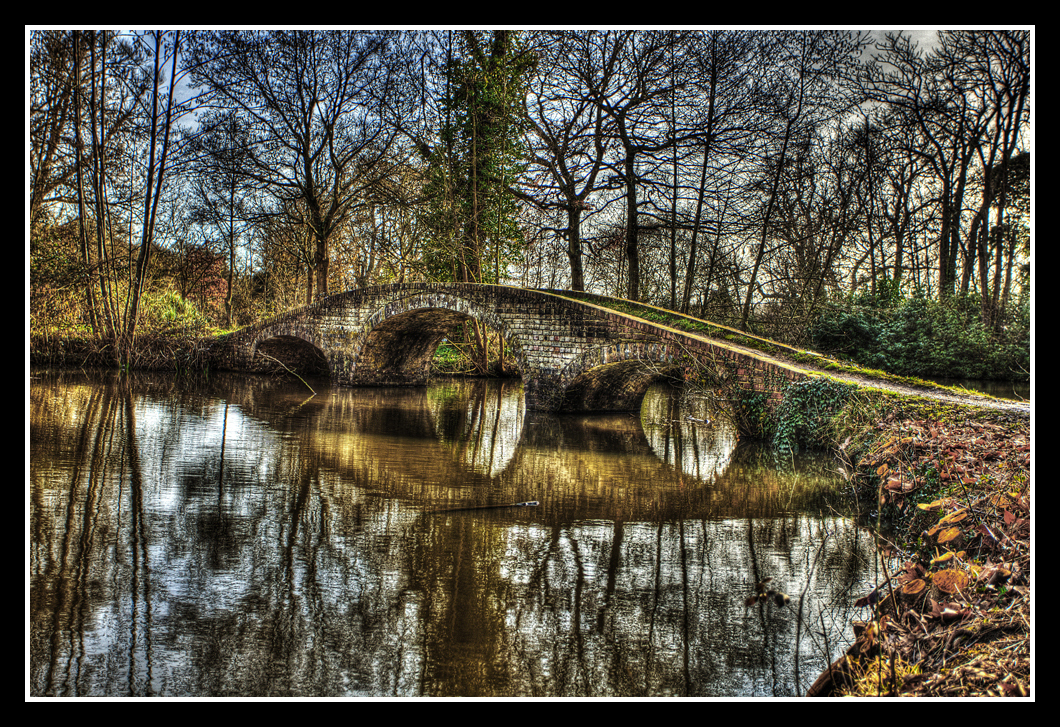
(947, 478)
(950, 487)
(153, 352)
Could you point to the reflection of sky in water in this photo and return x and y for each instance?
(306, 561)
(184, 447)
(694, 439)
(490, 426)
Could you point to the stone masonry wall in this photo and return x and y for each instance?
(387, 334)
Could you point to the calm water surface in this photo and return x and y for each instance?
(240, 536)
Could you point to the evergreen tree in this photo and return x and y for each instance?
(474, 167)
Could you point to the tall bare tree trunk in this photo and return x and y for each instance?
(632, 248)
(86, 257)
(153, 192)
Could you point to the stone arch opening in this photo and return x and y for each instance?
(285, 354)
(618, 386)
(399, 350)
(400, 341)
(617, 378)
(474, 349)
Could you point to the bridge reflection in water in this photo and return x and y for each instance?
(242, 538)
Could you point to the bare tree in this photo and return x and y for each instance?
(54, 74)
(966, 102)
(314, 105)
(998, 64)
(723, 61)
(123, 101)
(107, 92)
(568, 145)
(941, 113)
(627, 75)
(216, 177)
(160, 122)
(801, 93)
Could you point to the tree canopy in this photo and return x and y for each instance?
(754, 177)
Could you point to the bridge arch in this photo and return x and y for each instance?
(274, 351)
(398, 340)
(616, 377)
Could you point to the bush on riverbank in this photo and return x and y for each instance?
(918, 336)
(172, 334)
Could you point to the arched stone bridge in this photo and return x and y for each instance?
(573, 355)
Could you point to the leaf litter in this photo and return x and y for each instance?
(951, 617)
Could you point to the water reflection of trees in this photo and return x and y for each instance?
(480, 421)
(631, 609)
(687, 433)
(160, 565)
(188, 544)
(104, 535)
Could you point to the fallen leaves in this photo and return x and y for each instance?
(950, 581)
(914, 587)
(954, 517)
(935, 505)
(955, 616)
(956, 455)
(943, 557)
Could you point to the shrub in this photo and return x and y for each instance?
(167, 312)
(804, 417)
(917, 336)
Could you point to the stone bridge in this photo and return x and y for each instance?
(573, 354)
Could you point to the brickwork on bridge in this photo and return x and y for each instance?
(572, 355)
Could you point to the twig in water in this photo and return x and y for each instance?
(288, 370)
(532, 503)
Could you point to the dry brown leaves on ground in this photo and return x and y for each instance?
(952, 616)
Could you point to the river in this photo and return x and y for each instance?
(242, 536)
